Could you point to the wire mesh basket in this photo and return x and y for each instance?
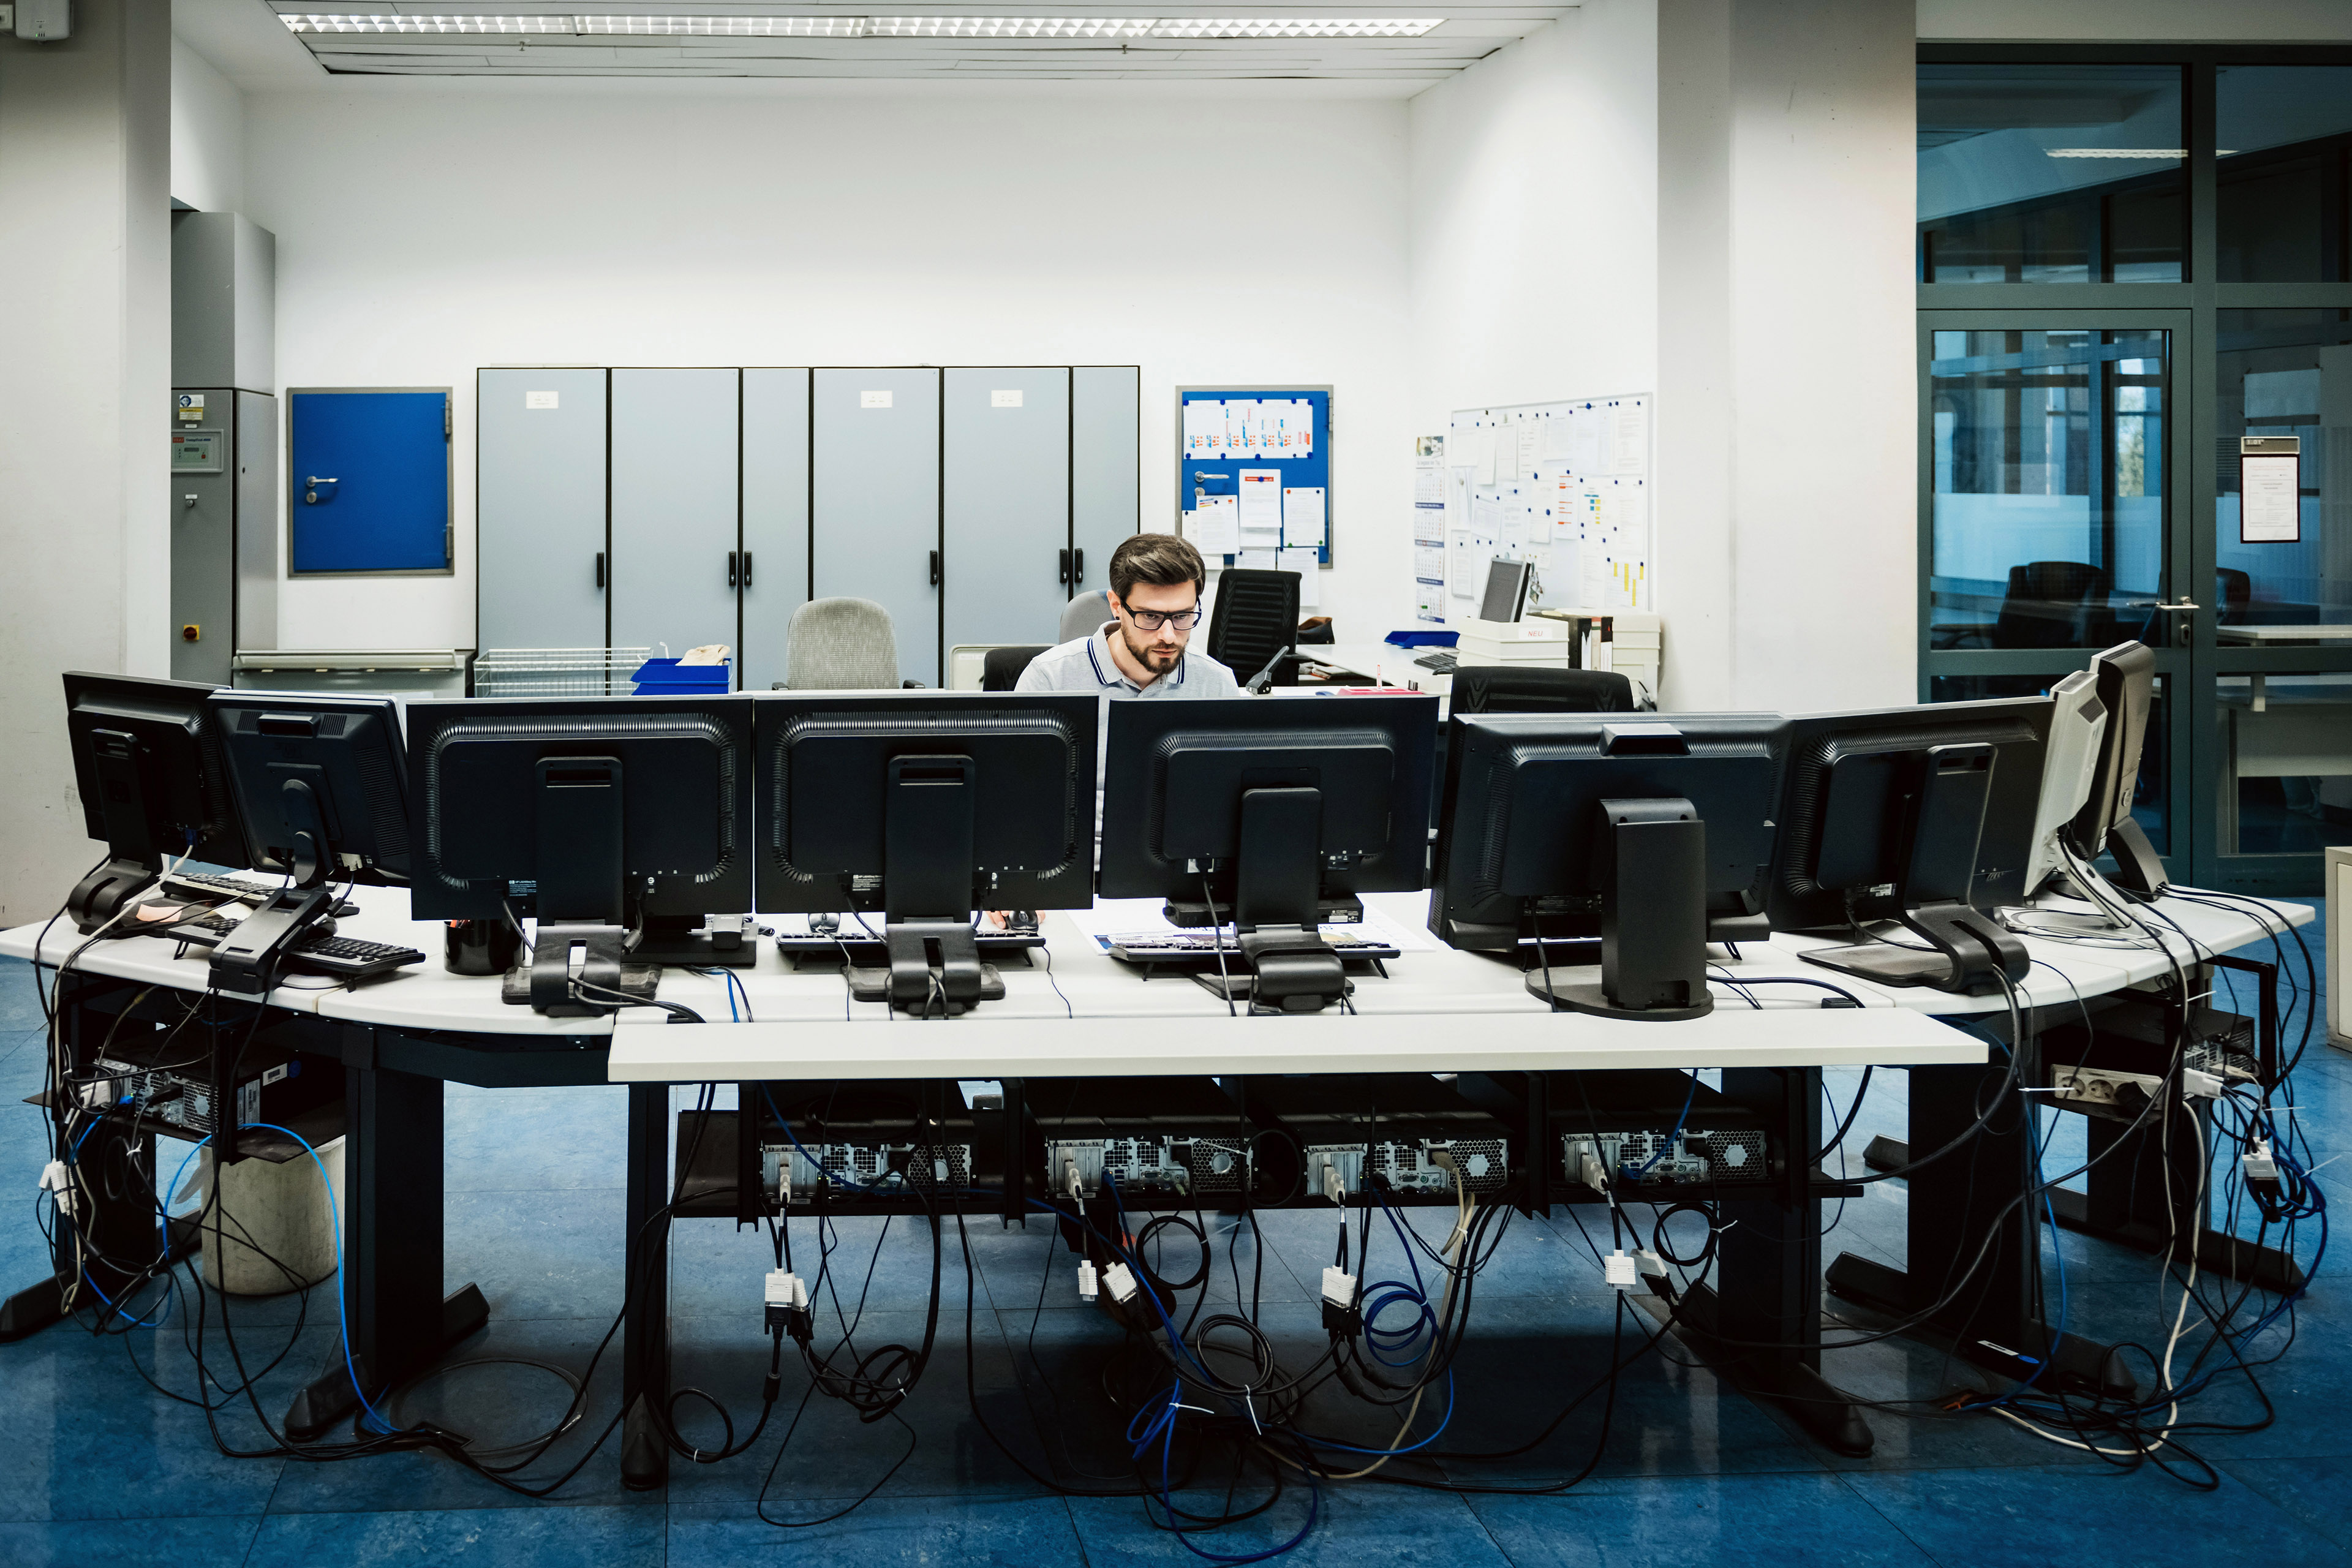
(556, 671)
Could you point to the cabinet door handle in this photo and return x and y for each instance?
(731, 568)
(935, 568)
(1077, 567)
(1065, 577)
(600, 568)
(747, 568)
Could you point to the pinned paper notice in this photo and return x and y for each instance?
(1215, 528)
(1261, 509)
(1302, 516)
(1303, 562)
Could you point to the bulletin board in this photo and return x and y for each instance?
(1221, 449)
(1565, 486)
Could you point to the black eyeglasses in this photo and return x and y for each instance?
(1152, 620)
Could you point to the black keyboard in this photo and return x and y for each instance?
(1442, 661)
(230, 887)
(1158, 948)
(346, 958)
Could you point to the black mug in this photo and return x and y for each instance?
(480, 947)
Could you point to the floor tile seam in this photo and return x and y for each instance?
(1845, 1482)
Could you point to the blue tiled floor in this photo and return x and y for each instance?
(95, 1469)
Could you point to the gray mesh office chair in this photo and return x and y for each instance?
(1085, 616)
(840, 644)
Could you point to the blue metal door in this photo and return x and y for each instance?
(368, 480)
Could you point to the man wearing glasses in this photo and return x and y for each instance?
(1155, 597)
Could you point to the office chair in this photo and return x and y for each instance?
(1001, 667)
(1500, 688)
(1084, 615)
(840, 644)
(2233, 593)
(1254, 623)
(2053, 604)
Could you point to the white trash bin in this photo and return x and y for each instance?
(279, 1210)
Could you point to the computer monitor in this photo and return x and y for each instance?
(925, 807)
(2125, 674)
(622, 822)
(148, 768)
(321, 788)
(1506, 591)
(2078, 728)
(1656, 829)
(1276, 813)
(1922, 815)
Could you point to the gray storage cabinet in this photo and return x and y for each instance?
(775, 574)
(223, 532)
(1006, 445)
(539, 466)
(675, 509)
(875, 501)
(1105, 449)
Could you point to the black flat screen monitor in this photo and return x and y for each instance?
(319, 780)
(1549, 818)
(1013, 773)
(1274, 813)
(2126, 690)
(588, 811)
(1505, 597)
(148, 768)
(1923, 815)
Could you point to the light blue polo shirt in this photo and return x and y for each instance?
(1086, 664)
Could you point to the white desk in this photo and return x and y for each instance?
(2274, 636)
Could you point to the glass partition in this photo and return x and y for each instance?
(2284, 143)
(2285, 372)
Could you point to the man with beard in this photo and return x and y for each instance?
(1155, 599)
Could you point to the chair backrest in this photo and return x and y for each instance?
(1085, 616)
(1254, 618)
(2232, 591)
(840, 644)
(2048, 605)
(1000, 670)
(1504, 689)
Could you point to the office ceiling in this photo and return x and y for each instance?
(908, 40)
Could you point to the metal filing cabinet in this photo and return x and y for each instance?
(1006, 443)
(676, 519)
(1106, 446)
(875, 488)
(775, 574)
(223, 529)
(540, 509)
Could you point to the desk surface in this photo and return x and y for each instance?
(1088, 1013)
(2331, 632)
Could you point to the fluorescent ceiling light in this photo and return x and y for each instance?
(1293, 27)
(608, 26)
(1009, 27)
(2117, 152)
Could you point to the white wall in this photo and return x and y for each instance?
(85, 371)
(1534, 219)
(207, 134)
(424, 231)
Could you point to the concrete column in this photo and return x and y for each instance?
(1787, 386)
(85, 373)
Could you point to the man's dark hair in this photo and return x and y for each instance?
(1160, 559)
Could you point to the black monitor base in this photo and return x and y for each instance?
(2137, 865)
(935, 967)
(246, 961)
(555, 991)
(106, 893)
(1970, 954)
(1282, 969)
(1572, 998)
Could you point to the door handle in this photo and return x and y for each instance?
(747, 568)
(600, 568)
(935, 568)
(1064, 577)
(1077, 566)
(311, 493)
(731, 568)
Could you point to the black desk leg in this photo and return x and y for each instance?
(1974, 1245)
(119, 1222)
(400, 1323)
(644, 1348)
(1768, 1305)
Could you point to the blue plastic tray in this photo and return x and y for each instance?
(667, 677)
(1425, 639)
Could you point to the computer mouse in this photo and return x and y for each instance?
(1023, 920)
(824, 925)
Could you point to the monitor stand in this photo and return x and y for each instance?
(246, 961)
(1970, 952)
(683, 942)
(928, 873)
(106, 893)
(577, 961)
(2137, 865)
(1652, 858)
(581, 972)
(1285, 965)
(133, 857)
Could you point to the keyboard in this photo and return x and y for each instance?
(345, 958)
(205, 885)
(1442, 660)
(1158, 947)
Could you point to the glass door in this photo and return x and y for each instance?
(2053, 462)
(2274, 642)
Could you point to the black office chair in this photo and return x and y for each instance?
(1253, 624)
(2053, 604)
(1499, 689)
(2233, 594)
(1001, 667)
